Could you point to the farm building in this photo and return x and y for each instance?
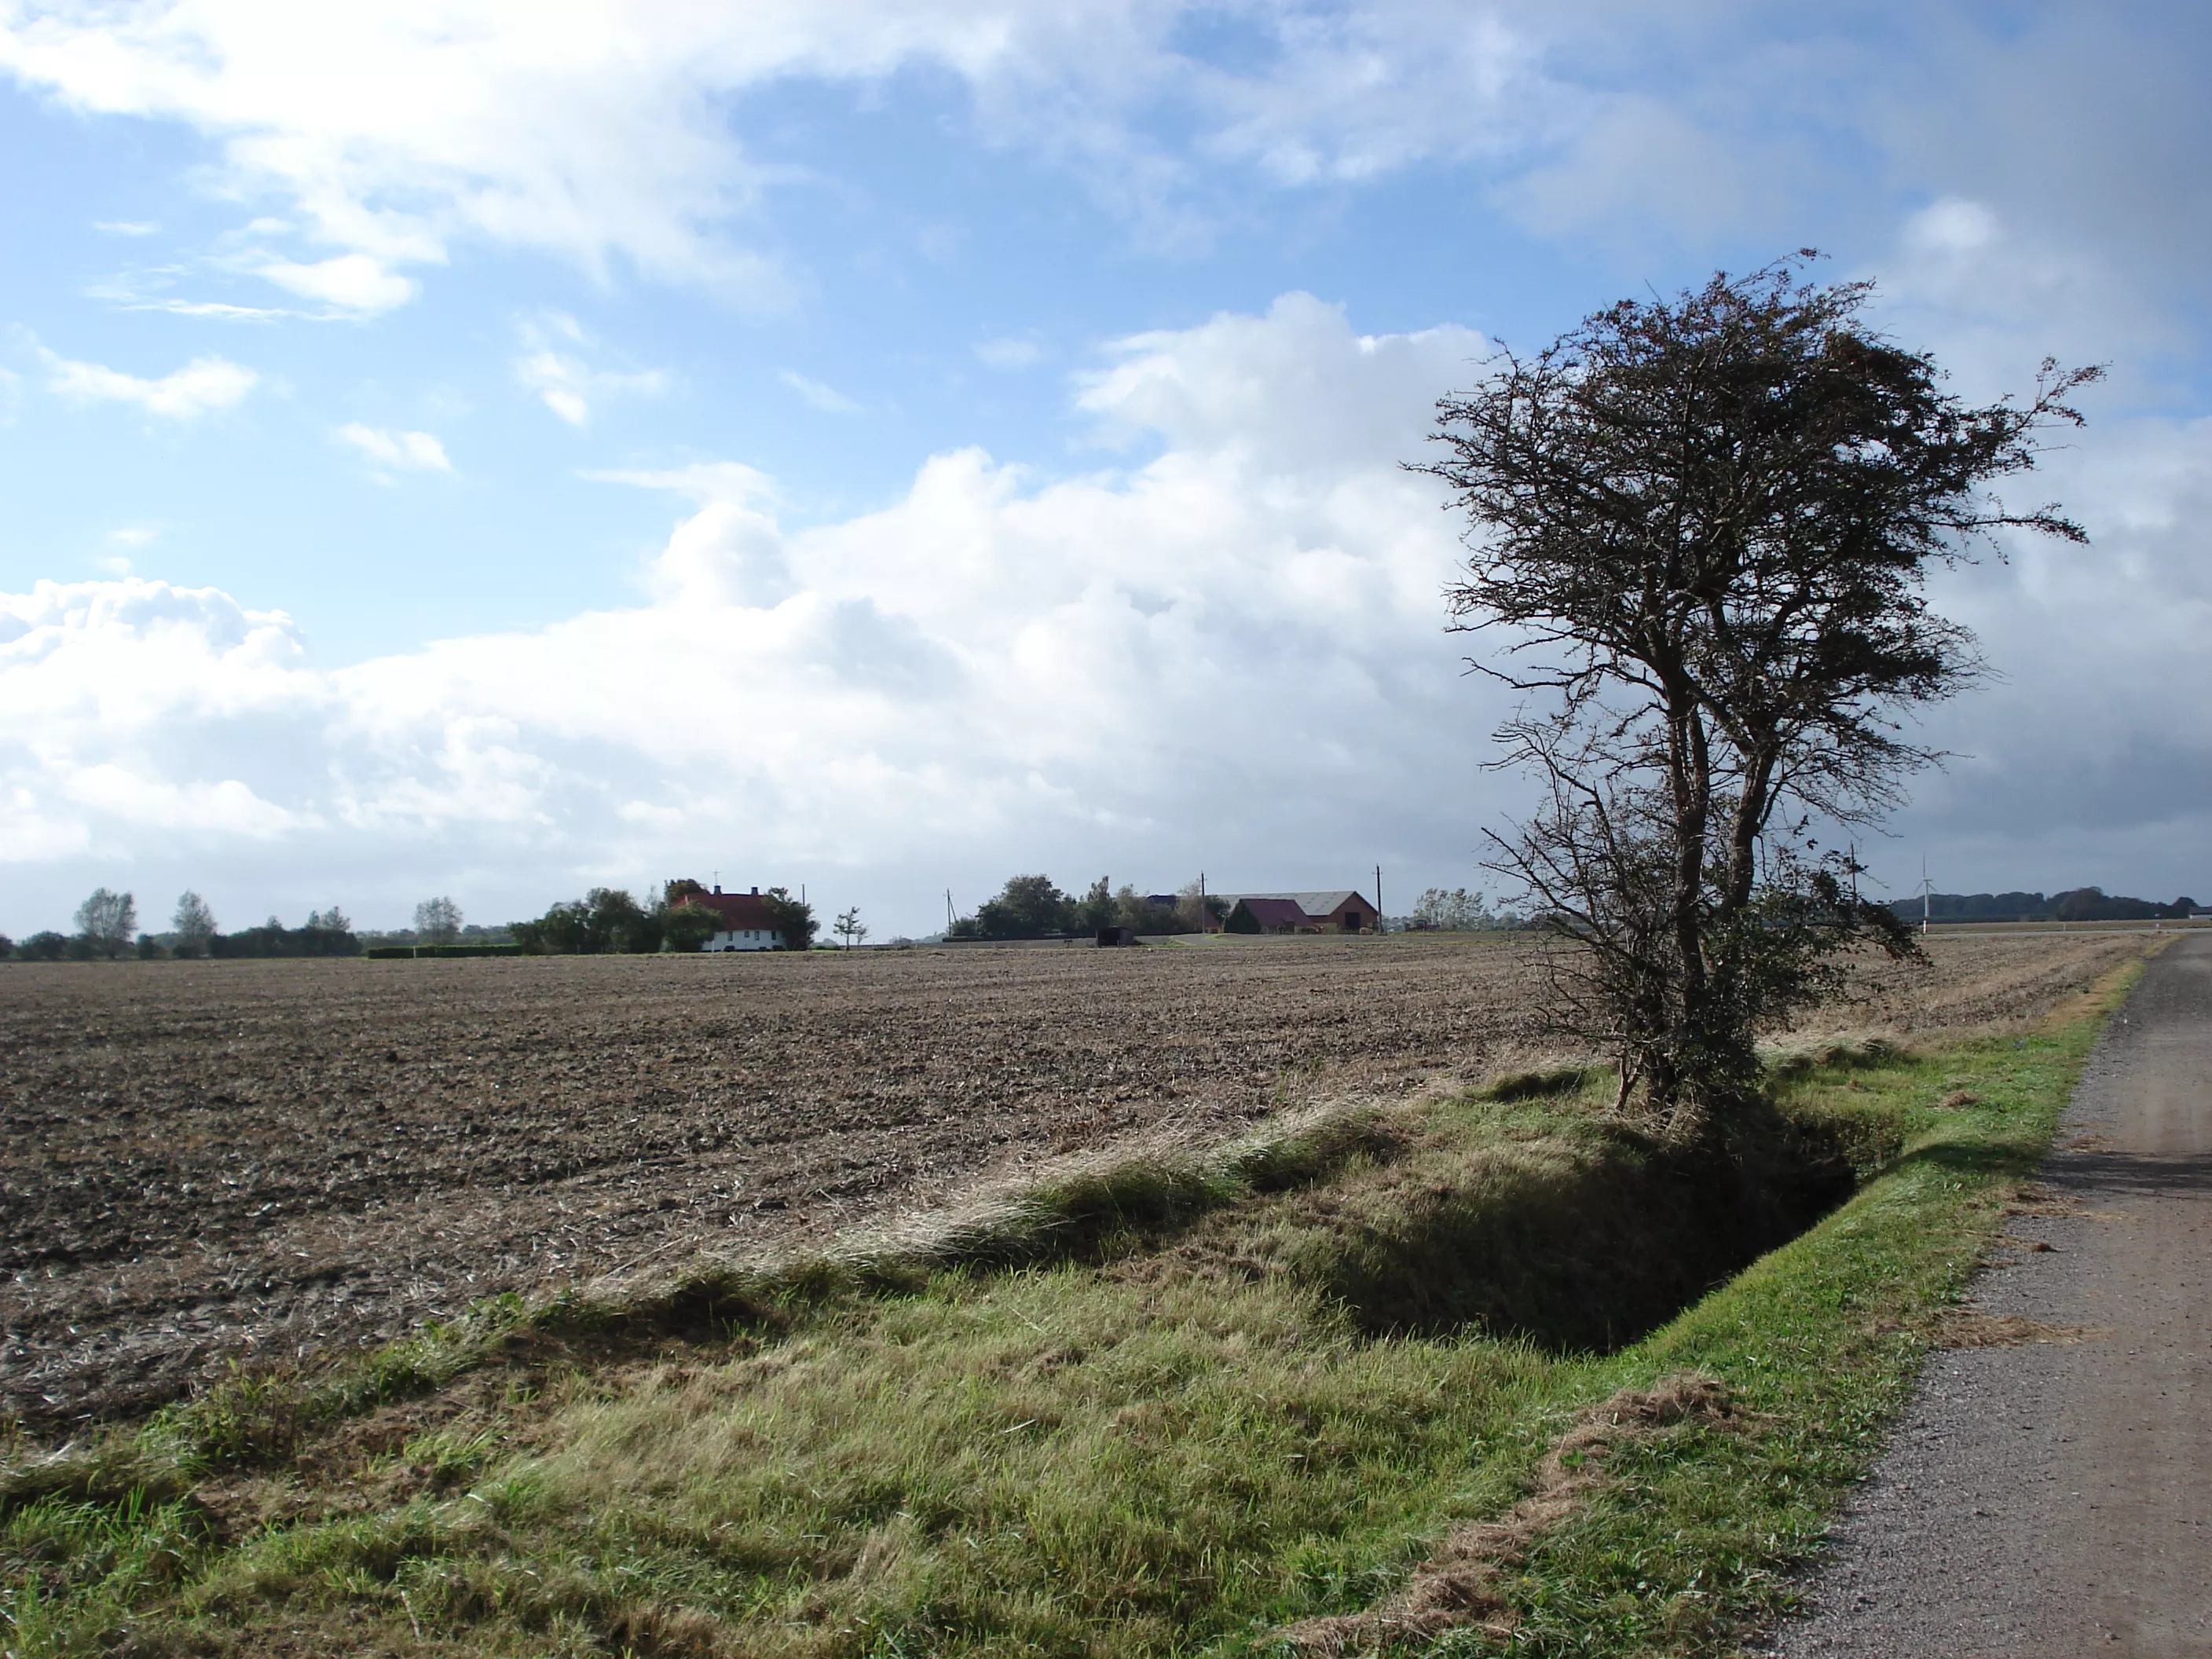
(747, 922)
(1342, 910)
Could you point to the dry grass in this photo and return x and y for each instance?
(1459, 1586)
(1973, 1327)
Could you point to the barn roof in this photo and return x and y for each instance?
(1275, 912)
(1314, 904)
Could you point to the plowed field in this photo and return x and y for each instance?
(208, 1161)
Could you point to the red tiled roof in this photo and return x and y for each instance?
(739, 911)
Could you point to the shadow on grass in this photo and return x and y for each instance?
(1972, 1158)
(1585, 1246)
(1572, 1233)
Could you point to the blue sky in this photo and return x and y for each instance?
(497, 449)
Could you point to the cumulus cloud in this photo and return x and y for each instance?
(205, 383)
(134, 709)
(1221, 650)
(413, 452)
(1231, 648)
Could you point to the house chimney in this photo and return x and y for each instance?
(755, 892)
(718, 889)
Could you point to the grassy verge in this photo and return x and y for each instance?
(1166, 1410)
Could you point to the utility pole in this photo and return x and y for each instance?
(1926, 889)
(948, 910)
(1378, 899)
(1203, 930)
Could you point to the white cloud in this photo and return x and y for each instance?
(416, 452)
(144, 288)
(1992, 294)
(126, 226)
(119, 699)
(133, 537)
(206, 383)
(352, 282)
(564, 382)
(605, 130)
(1227, 656)
(703, 481)
(217, 309)
(815, 396)
(989, 669)
(614, 134)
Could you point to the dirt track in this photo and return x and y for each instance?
(203, 1161)
(2053, 1499)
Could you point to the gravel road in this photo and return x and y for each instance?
(2052, 1498)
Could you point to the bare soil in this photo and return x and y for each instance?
(209, 1162)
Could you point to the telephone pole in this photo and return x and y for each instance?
(1378, 899)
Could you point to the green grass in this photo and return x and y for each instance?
(1166, 1407)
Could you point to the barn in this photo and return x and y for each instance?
(1340, 910)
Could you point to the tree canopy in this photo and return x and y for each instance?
(105, 921)
(1701, 528)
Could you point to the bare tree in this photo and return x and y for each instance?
(849, 927)
(1705, 528)
(105, 921)
(193, 925)
(437, 921)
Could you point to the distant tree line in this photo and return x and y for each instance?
(608, 922)
(605, 921)
(2079, 905)
(324, 933)
(107, 929)
(1032, 906)
(1456, 910)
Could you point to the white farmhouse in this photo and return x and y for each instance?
(747, 922)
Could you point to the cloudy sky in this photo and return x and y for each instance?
(473, 447)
